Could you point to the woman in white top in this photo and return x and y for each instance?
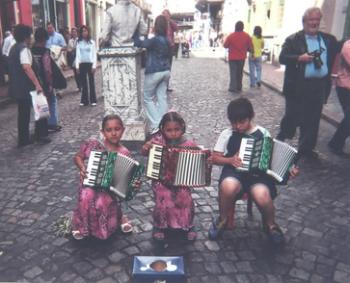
(85, 63)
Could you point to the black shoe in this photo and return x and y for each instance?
(275, 234)
(258, 84)
(22, 144)
(169, 90)
(55, 128)
(335, 150)
(43, 140)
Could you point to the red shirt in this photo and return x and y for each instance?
(238, 43)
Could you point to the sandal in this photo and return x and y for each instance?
(77, 235)
(275, 234)
(216, 229)
(191, 234)
(158, 234)
(126, 227)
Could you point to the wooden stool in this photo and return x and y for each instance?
(231, 215)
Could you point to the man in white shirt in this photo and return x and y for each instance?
(9, 41)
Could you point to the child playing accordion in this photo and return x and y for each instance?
(98, 212)
(234, 183)
(174, 207)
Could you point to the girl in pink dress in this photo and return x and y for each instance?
(174, 207)
(98, 212)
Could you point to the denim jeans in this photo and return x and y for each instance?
(53, 120)
(155, 97)
(255, 71)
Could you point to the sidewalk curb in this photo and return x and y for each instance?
(325, 116)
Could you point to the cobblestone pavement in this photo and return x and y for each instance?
(38, 184)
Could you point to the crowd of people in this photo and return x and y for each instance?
(40, 65)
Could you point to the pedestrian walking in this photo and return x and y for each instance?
(98, 212)
(309, 56)
(234, 184)
(157, 73)
(337, 142)
(54, 42)
(255, 61)
(171, 29)
(85, 63)
(174, 207)
(238, 44)
(71, 54)
(22, 81)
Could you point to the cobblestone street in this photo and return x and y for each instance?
(39, 184)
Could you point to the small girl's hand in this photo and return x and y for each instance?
(147, 146)
(82, 172)
(294, 171)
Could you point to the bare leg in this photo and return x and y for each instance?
(229, 189)
(261, 196)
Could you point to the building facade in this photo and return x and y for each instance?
(63, 13)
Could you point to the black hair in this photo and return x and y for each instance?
(51, 24)
(239, 26)
(81, 29)
(22, 32)
(111, 117)
(41, 35)
(257, 31)
(172, 117)
(161, 25)
(239, 110)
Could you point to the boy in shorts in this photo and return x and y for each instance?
(234, 184)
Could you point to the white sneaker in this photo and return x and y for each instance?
(93, 104)
(81, 104)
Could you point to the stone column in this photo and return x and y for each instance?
(121, 88)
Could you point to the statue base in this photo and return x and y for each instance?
(121, 88)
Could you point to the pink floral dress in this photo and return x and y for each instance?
(174, 207)
(98, 213)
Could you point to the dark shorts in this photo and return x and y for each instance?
(247, 180)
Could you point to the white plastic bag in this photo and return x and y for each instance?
(40, 105)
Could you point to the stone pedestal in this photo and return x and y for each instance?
(121, 88)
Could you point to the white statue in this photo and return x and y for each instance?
(122, 20)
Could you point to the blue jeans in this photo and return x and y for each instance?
(155, 97)
(255, 70)
(53, 120)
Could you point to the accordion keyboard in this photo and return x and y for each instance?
(154, 161)
(245, 153)
(94, 174)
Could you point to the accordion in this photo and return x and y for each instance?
(268, 155)
(113, 172)
(179, 166)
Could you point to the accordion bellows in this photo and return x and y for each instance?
(179, 166)
(113, 172)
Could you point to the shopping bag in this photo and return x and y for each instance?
(40, 105)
